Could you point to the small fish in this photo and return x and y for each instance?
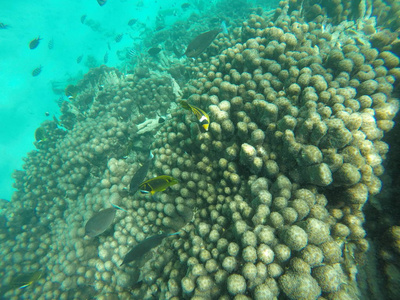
(50, 45)
(161, 120)
(200, 114)
(34, 43)
(157, 184)
(101, 2)
(83, 18)
(100, 221)
(131, 53)
(140, 175)
(105, 58)
(47, 114)
(132, 22)
(185, 6)
(138, 251)
(25, 280)
(154, 51)
(4, 26)
(79, 59)
(37, 71)
(203, 40)
(118, 38)
(40, 134)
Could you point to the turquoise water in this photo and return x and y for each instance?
(25, 99)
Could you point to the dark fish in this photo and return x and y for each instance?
(83, 18)
(157, 184)
(142, 248)
(161, 120)
(160, 27)
(4, 26)
(37, 71)
(154, 51)
(118, 38)
(34, 43)
(100, 221)
(40, 134)
(47, 114)
(200, 114)
(140, 175)
(50, 45)
(132, 22)
(79, 59)
(185, 6)
(101, 2)
(105, 59)
(201, 43)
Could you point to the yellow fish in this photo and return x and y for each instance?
(157, 184)
(200, 114)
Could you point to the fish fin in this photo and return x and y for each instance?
(117, 207)
(224, 29)
(151, 155)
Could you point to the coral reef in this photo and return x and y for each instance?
(270, 201)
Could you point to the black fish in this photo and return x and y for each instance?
(83, 18)
(118, 38)
(140, 175)
(185, 6)
(79, 59)
(154, 51)
(100, 221)
(142, 248)
(51, 44)
(4, 26)
(101, 2)
(34, 43)
(132, 22)
(37, 71)
(105, 59)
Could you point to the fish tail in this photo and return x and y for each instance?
(175, 233)
(117, 207)
(224, 29)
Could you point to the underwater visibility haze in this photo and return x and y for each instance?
(232, 149)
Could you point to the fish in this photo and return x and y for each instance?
(83, 18)
(157, 184)
(4, 26)
(40, 134)
(118, 38)
(200, 114)
(36, 71)
(50, 44)
(34, 43)
(26, 279)
(131, 53)
(138, 251)
(140, 175)
(101, 2)
(185, 6)
(132, 22)
(203, 40)
(154, 51)
(100, 221)
(79, 59)
(105, 58)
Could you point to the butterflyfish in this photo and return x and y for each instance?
(200, 114)
(157, 184)
(142, 248)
